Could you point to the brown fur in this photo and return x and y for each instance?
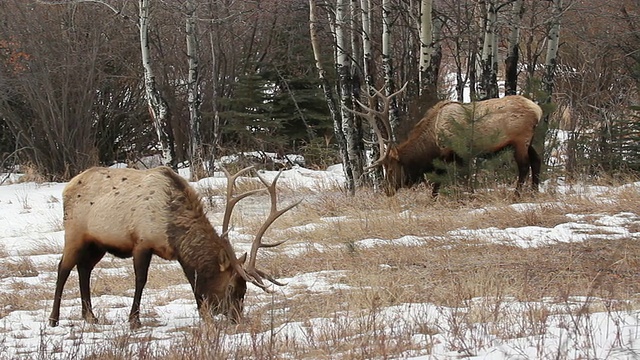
(137, 213)
(508, 121)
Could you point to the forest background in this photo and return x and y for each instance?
(86, 83)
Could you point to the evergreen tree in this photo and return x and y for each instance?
(467, 143)
(248, 121)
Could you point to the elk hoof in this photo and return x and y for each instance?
(90, 318)
(53, 322)
(134, 324)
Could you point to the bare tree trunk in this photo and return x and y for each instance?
(513, 55)
(356, 81)
(489, 64)
(430, 57)
(214, 105)
(553, 40)
(216, 129)
(367, 53)
(368, 70)
(427, 82)
(328, 94)
(387, 66)
(193, 94)
(343, 62)
(158, 107)
(475, 53)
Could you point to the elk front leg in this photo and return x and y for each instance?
(141, 262)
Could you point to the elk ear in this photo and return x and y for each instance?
(225, 262)
(243, 259)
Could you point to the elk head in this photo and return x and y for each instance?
(394, 174)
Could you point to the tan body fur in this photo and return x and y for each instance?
(133, 202)
(138, 213)
(498, 123)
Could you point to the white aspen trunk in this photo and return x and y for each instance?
(193, 94)
(355, 163)
(365, 6)
(328, 94)
(488, 79)
(158, 107)
(214, 104)
(387, 65)
(367, 56)
(426, 44)
(373, 153)
(356, 50)
(513, 55)
(553, 40)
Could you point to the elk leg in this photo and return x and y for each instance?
(536, 165)
(64, 269)
(141, 262)
(522, 159)
(89, 259)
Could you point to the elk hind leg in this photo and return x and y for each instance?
(522, 160)
(66, 264)
(536, 165)
(90, 256)
(141, 262)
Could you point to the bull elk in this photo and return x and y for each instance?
(138, 213)
(498, 123)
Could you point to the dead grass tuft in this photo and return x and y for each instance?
(22, 266)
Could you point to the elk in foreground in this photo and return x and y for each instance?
(138, 213)
(498, 123)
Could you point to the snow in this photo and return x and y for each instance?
(31, 223)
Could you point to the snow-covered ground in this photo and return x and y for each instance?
(31, 228)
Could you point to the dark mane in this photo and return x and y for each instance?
(190, 199)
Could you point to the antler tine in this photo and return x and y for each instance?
(384, 117)
(274, 214)
(370, 115)
(233, 200)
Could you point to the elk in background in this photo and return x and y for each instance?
(498, 123)
(138, 213)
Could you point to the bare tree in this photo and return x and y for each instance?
(387, 64)
(428, 77)
(72, 100)
(355, 159)
(328, 94)
(488, 86)
(193, 92)
(158, 106)
(512, 59)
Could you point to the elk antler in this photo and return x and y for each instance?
(372, 115)
(251, 273)
(233, 200)
(274, 214)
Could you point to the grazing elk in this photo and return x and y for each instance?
(498, 123)
(138, 213)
